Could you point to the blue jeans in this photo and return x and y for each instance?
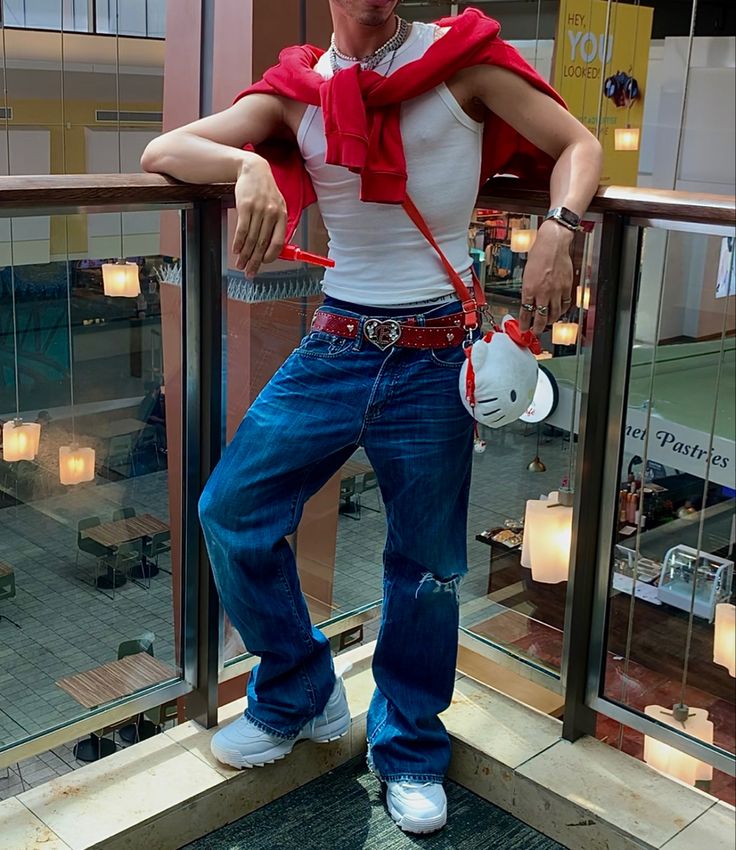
(403, 406)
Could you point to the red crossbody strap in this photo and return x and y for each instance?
(470, 302)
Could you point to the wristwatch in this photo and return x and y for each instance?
(567, 218)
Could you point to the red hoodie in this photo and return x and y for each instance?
(362, 114)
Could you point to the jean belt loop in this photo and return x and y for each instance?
(359, 340)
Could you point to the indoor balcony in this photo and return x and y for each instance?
(579, 645)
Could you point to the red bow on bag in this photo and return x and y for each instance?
(525, 339)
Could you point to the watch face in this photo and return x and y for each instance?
(569, 216)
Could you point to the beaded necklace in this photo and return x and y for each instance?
(368, 63)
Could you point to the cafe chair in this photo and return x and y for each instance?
(370, 482)
(120, 456)
(349, 498)
(125, 512)
(84, 544)
(141, 727)
(122, 559)
(7, 589)
(147, 446)
(156, 545)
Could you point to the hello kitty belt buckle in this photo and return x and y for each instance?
(382, 333)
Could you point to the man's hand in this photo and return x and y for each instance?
(261, 226)
(547, 280)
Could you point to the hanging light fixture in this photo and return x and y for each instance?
(20, 440)
(522, 240)
(667, 759)
(626, 138)
(548, 537)
(76, 464)
(724, 639)
(120, 279)
(564, 333)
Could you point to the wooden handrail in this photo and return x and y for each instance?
(634, 202)
(86, 190)
(89, 190)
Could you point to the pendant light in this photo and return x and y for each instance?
(626, 138)
(547, 540)
(120, 279)
(564, 333)
(76, 463)
(667, 759)
(522, 240)
(724, 639)
(20, 439)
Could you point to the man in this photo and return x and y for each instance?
(390, 109)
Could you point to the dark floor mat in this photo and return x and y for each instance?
(344, 810)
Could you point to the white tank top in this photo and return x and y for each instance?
(381, 259)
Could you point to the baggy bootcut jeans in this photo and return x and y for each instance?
(403, 407)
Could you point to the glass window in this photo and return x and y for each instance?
(46, 14)
(134, 17)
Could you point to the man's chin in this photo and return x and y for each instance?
(377, 12)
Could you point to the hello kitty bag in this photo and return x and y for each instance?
(499, 376)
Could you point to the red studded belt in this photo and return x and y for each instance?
(444, 332)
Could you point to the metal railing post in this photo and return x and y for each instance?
(203, 299)
(579, 719)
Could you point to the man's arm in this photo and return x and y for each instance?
(210, 151)
(574, 181)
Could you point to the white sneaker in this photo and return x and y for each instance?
(417, 807)
(242, 744)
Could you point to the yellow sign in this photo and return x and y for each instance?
(601, 61)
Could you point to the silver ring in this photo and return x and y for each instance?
(528, 307)
(542, 311)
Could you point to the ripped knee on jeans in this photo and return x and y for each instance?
(434, 584)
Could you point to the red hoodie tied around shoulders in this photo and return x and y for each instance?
(362, 114)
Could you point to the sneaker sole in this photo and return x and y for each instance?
(417, 827)
(240, 763)
(336, 730)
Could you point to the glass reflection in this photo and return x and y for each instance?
(673, 559)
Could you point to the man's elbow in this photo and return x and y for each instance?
(155, 155)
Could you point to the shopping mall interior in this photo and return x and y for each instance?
(595, 699)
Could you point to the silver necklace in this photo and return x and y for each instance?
(368, 63)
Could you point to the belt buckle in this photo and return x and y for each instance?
(383, 333)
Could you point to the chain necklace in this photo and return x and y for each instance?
(368, 63)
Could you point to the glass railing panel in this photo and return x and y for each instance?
(89, 568)
(504, 602)
(339, 541)
(673, 556)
